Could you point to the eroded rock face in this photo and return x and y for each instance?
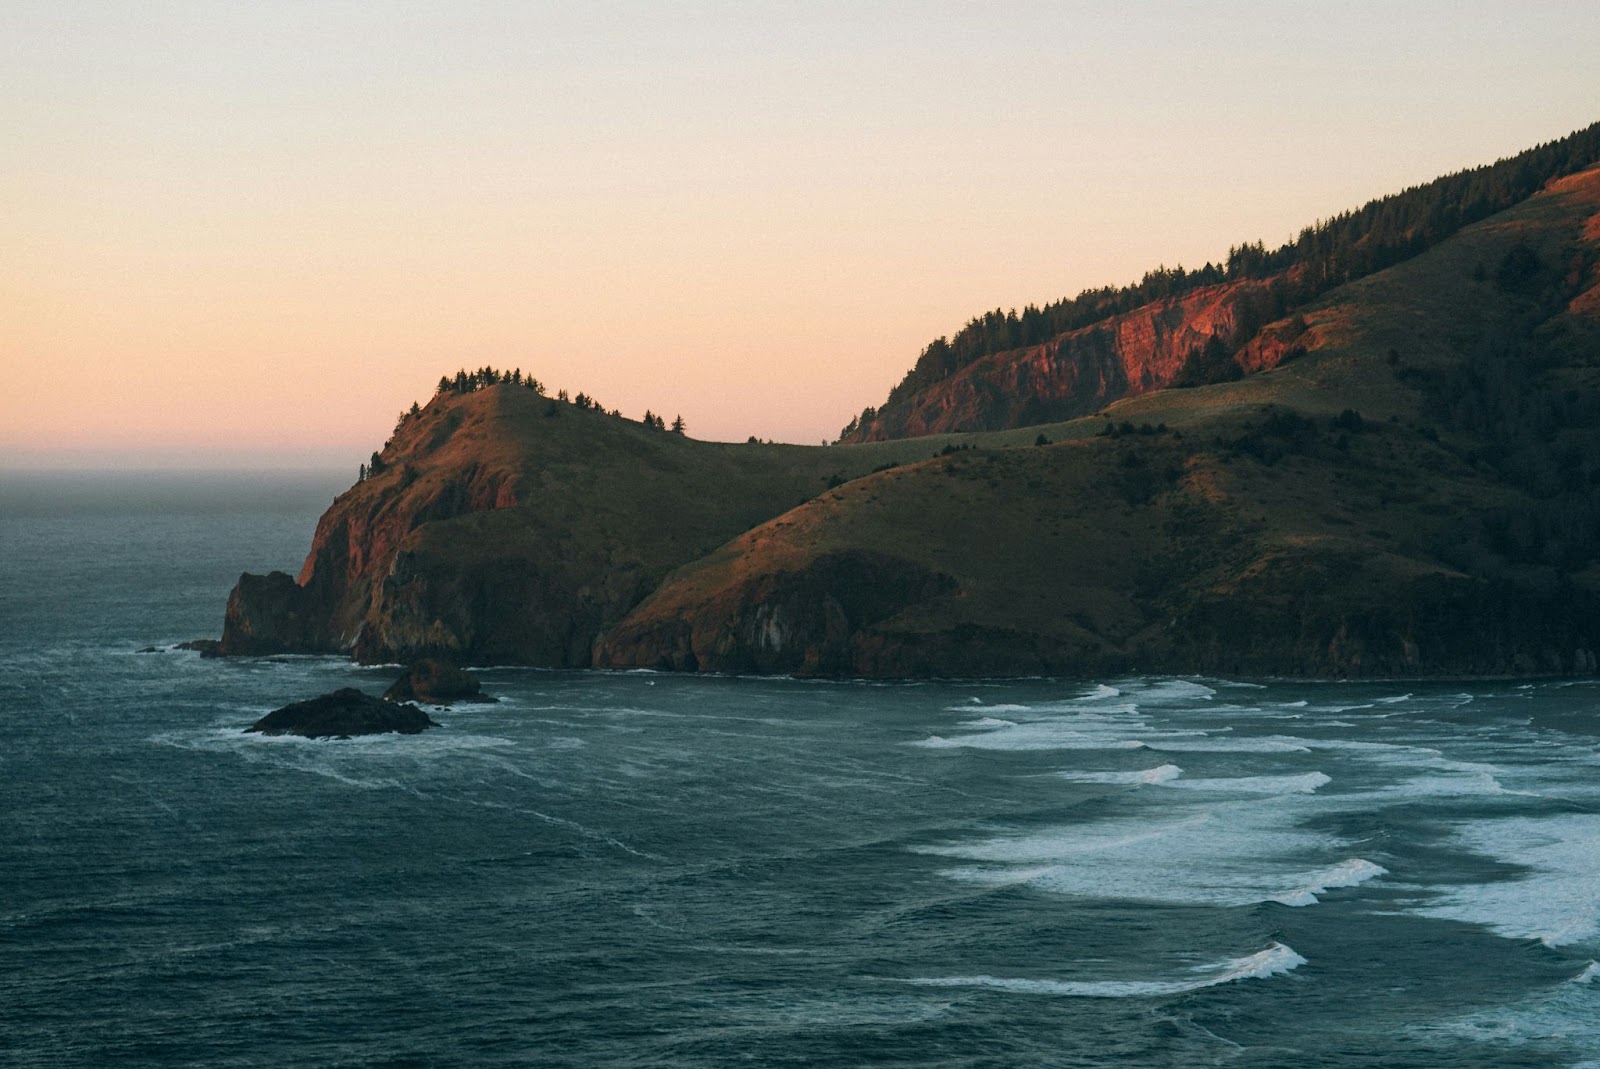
(436, 682)
(273, 614)
(812, 622)
(1082, 371)
(504, 527)
(344, 713)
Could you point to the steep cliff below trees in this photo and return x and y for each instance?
(1081, 372)
(1414, 494)
(504, 526)
(1188, 328)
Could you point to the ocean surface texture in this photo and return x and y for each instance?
(644, 870)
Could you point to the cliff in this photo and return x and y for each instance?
(1185, 328)
(1081, 372)
(1412, 494)
(504, 526)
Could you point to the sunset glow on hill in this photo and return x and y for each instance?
(250, 236)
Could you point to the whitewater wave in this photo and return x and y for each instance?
(1170, 691)
(1029, 737)
(1276, 960)
(1557, 898)
(1305, 783)
(1159, 774)
(1226, 746)
(1349, 873)
(989, 722)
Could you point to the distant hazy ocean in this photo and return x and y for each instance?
(645, 870)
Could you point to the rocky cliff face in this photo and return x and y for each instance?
(328, 606)
(803, 622)
(1274, 530)
(1412, 495)
(1081, 372)
(506, 527)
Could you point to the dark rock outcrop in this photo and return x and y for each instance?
(436, 682)
(812, 622)
(344, 713)
(273, 614)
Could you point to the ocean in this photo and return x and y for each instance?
(641, 870)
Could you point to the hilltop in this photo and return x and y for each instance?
(1187, 328)
(1401, 479)
(503, 525)
(1415, 494)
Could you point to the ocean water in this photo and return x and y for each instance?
(647, 870)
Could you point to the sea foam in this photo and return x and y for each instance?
(1305, 783)
(1556, 901)
(1348, 873)
(1230, 853)
(1275, 960)
(1225, 746)
(1159, 774)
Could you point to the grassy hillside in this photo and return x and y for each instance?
(1413, 495)
(505, 525)
(1177, 327)
(1417, 493)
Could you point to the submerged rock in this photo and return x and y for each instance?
(437, 682)
(343, 713)
(206, 647)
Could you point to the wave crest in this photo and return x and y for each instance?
(1275, 960)
(1159, 774)
(1348, 873)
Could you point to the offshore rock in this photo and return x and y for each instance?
(272, 614)
(342, 714)
(437, 682)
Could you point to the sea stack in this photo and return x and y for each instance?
(344, 713)
(437, 683)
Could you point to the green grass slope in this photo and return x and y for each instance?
(502, 525)
(1450, 529)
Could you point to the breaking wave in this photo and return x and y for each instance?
(1305, 783)
(1348, 873)
(1159, 774)
(1275, 960)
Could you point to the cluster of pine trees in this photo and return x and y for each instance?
(659, 423)
(466, 381)
(1326, 255)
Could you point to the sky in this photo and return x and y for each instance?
(251, 234)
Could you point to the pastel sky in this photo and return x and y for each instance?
(250, 234)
